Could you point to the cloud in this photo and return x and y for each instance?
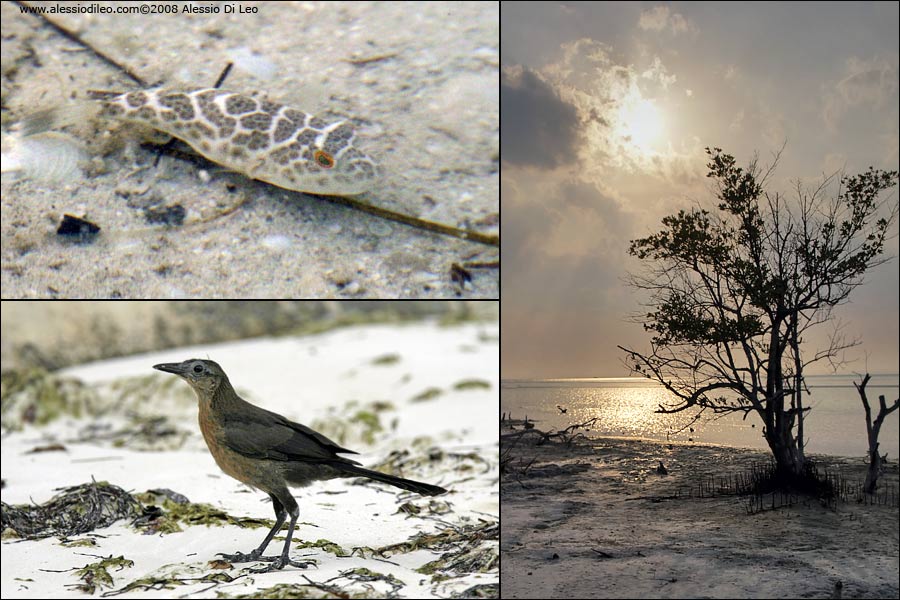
(761, 125)
(567, 239)
(539, 128)
(558, 217)
(866, 83)
(659, 18)
(571, 116)
(562, 263)
(654, 19)
(658, 73)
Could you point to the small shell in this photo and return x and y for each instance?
(49, 156)
(250, 62)
(261, 139)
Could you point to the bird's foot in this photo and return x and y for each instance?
(276, 563)
(279, 562)
(240, 557)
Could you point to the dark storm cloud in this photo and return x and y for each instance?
(538, 128)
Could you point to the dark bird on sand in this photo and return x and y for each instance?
(562, 410)
(269, 452)
(661, 469)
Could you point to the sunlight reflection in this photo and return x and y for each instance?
(626, 407)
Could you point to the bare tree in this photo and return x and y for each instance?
(732, 293)
(873, 428)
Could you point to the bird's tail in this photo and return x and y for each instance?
(418, 487)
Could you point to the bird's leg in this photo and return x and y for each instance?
(279, 562)
(239, 557)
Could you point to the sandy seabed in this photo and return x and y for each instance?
(595, 520)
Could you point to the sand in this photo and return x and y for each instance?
(323, 381)
(596, 520)
(427, 103)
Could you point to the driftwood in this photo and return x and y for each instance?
(873, 428)
(509, 440)
(567, 435)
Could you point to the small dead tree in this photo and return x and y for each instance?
(873, 428)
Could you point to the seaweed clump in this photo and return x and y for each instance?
(76, 510)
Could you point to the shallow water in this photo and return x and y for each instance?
(625, 407)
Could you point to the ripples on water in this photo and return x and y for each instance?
(625, 407)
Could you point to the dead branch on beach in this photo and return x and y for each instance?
(567, 435)
(876, 461)
(508, 442)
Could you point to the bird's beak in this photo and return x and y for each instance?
(176, 368)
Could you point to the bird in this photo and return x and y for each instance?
(562, 410)
(661, 469)
(269, 452)
(528, 424)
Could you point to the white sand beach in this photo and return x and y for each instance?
(596, 520)
(395, 393)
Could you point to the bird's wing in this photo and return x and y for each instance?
(264, 434)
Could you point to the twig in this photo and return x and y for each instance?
(71, 35)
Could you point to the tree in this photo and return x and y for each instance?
(873, 428)
(733, 292)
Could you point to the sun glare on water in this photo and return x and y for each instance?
(641, 124)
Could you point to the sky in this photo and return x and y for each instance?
(605, 112)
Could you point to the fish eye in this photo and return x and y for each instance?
(323, 159)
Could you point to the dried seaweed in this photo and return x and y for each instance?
(96, 575)
(165, 511)
(78, 509)
(482, 590)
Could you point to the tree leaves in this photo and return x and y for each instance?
(753, 276)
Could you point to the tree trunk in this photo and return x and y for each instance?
(779, 425)
(788, 456)
(874, 471)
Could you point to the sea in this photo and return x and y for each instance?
(625, 406)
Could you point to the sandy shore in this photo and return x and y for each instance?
(421, 394)
(595, 520)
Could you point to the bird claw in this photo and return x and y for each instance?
(279, 562)
(276, 562)
(240, 557)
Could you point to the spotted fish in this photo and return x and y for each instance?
(258, 138)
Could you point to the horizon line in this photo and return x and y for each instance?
(636, 378)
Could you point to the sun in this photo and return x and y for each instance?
(641, 124)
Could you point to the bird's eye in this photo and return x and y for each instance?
(198, 368)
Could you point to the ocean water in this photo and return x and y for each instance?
(625, 406)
